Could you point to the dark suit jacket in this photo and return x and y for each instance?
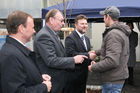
(19, 73)
(51, 57)
(77, 78)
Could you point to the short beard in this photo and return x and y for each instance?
(81, 31)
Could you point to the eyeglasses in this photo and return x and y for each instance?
(61, 20)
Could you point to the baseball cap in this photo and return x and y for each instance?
(112, 11)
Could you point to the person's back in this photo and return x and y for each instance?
(117, 50)
(114, 52)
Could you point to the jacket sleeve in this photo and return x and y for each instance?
(46, 47)
(13, 78)
(98, 52)
(113, 48)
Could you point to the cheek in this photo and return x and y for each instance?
(104, 19)
(86, 26)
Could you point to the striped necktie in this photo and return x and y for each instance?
(84, 41)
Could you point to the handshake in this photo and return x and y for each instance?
(80, 58)
(92, 55)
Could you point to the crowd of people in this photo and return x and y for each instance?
(53, 68)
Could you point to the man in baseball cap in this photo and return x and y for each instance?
(112, 11)
(114, 52)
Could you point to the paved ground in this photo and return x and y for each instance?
(94, 82)
(136, 88)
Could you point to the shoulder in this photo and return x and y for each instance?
(116, 32)
(115, 35)
(134, 32)
(10, 53)
(71, 35)
(9, 49)
(42, 34)
(86, 37)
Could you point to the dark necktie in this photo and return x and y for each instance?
(58, 37)
(59, 40)
(83, 39)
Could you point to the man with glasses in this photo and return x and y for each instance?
(51, 53)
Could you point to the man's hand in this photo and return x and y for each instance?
(46, 77)
(92, 55)
(47, 81)
(79, 58)
(48, 84)
(89, 67)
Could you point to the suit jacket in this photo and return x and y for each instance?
(51, 57)
(133, 42)
(19, 73)
(77, 78)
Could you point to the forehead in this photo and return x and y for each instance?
(59, 14)
(82, 21)
(30, 21)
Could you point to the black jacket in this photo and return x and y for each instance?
(76, 79)
(19, 73)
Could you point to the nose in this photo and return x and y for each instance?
(34, 31)
(63, 23)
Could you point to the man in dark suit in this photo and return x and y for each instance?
(18, 71)
(77, 43)
(133, 42)
(51, 53)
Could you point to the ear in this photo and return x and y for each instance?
(108, 17)
(21, 28)
(75, 25)
(51, 19)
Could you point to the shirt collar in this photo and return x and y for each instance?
(18, 40)
(79, 34)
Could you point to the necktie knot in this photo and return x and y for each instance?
(82, 37)
(58, 37)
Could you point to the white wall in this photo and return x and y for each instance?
(97, 30)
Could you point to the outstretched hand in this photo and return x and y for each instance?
(79, 58)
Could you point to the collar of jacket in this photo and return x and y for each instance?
(21, 47)
(107, 30)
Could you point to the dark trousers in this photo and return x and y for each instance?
(130, 79)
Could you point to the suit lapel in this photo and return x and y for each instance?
(55, 38)
(88, 43)
(79, 40)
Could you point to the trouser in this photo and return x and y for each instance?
(111, 88)
(130, 79)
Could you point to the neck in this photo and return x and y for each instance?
(51, 26)
(112, 22)
(18, 37)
